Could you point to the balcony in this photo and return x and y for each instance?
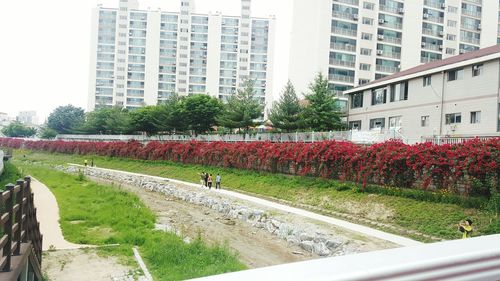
(470, 40)
(426, 60)
(432, 18)
(394, 25)
(432, 47)
(343, 47)
(342, 63)
(477, 2)
(392, 55)
(341, 78)
(471, 13)
(344, 31)
(389, 39)
(389, 9)
(469, 26)
(343, 15)
(432, 32)
(434, 4)
(387, 69)
(350, 2)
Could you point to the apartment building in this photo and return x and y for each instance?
(28, 118)
(141, 57)
(358, 41)
(457, 96)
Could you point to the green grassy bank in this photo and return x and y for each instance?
(98, 214)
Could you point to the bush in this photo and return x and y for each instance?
(470, 168)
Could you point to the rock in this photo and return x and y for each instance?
(332, 244)
(297, 253)
(229, 222)
(321, 250)
(307, 245)
(305, 237)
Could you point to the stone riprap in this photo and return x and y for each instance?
(314, 241)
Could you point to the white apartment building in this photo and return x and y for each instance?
(28, 118)
(357, 41)
(140, 57)
(457, 96)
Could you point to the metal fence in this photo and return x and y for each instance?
(355, 136)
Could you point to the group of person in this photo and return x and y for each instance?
(206, 180)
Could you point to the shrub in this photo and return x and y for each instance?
(470, 168)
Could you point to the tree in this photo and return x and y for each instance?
(66, 119)
(200, 112)
(285, 114)
(108, 120)
(47, 133)
(147, 119)
(17, 129)
(321, 112)
(241, 109)
(174, 120)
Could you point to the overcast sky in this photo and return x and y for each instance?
(45, 48)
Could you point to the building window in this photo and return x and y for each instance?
(395, 122)
(357, 100)
(456, 74)
(362, 81)
(355, 125)
(452, 9)
(452, 23)
(477, 70)
(368, 5)
(453, 118)
(379, 96)
(368, 21)
(399, 92)
(366, 36)
(451, 37)
(450, 51)
(364, 66)
(424, 121)
(366, 52)
(377, 123)
(475, 117)
(427, 80)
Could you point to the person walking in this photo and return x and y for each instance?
(202, 179)
(217, 181)
(209, 181)
(206, 179)
(85, 162)
(466, 228)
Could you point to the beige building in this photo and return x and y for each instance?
(458, 96)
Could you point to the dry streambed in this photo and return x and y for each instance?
(260, 235)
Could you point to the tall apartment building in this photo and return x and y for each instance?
(357, 41)
(140, 57)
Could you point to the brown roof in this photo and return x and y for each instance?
(435, 64)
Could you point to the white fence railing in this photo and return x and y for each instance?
(1, 162)
(464, 259)
(361, 137)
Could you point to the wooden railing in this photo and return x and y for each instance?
(21, 241)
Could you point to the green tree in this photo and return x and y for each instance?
(241, 109)
(17, 129)
(147, 119)
(66, 119)
(200, 112)
(321, 112)
(172, 115)
(285, 114)
(47, 133)
(108, 120)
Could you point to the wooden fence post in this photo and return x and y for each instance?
(19, 216)
(7, 227)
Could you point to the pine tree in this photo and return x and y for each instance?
(285, 114)
(321, 113)
(241, 109)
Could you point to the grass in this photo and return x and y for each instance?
(10, 174)
(98, 214)
(430, 218)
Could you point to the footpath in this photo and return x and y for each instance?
(396, 239)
